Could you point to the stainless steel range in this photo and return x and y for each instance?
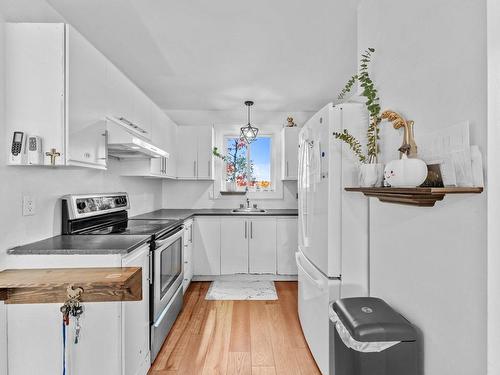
(107, 214)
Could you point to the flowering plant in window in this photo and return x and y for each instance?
(237, 164)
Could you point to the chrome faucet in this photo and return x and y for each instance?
(248, 202)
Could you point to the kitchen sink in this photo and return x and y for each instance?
(250, 210)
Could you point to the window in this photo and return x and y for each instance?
(247, 166)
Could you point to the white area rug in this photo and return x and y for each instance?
(242, 290)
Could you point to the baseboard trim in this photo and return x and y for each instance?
(244, 277)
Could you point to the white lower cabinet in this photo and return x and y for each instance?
(114, 336)
(262, 245)
(187, 240)
(286, 245)
(234, 245)
(206, 250)
(135, 317)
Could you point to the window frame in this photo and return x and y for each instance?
(272, 131)
(272, 177)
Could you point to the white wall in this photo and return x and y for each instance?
(47, 186)
(200, 194)
(430, 263)
(197, 194)
(493, 187)
(3, 185)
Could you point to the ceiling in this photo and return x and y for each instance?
(207, 57)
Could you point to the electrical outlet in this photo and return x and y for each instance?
(28, 205)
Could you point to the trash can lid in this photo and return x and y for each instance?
(370, 319)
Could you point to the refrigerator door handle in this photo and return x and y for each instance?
(308, 275)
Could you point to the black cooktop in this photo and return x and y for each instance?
(136, 227)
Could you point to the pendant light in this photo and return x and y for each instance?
(248, 133)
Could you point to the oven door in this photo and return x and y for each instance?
(168, 269)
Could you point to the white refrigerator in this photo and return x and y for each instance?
(332, 258)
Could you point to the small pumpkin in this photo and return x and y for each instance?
(405, 172)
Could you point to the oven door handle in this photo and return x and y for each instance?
(170, 239)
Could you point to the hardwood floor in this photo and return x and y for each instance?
(236, 337)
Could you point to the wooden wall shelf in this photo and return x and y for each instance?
(420, 196)
(49, 285)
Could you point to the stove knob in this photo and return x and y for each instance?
(121, 201)
(81, 206)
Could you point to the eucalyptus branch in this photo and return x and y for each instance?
(372, 104)
(372, 139)
(353, 144)
(348, 87)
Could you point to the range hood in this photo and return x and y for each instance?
(126, 142)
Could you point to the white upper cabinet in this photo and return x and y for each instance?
(126, 100)
(120, 92)
(204, 152)
(54, 90)
(187, 152)
(194, 152)
(86, 101)
(160, 128)
(164, 135)
(290, 147)
(60, 88)
(142, 112)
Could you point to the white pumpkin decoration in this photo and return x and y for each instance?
(405, 172)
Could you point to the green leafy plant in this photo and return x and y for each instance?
(353, 144)
(373, 106)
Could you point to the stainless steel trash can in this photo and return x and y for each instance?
(371, 338)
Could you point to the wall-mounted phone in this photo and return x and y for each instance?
(18, 148)
(35, 154)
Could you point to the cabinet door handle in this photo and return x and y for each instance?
(245, 229)
(251, 229)
(150, 277)
(287, 168)
(194, 168)
(105, 135)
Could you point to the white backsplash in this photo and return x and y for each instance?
(199, 194)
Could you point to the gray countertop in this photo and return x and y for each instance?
(181, 214)
(122, 244)
(82, 244)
